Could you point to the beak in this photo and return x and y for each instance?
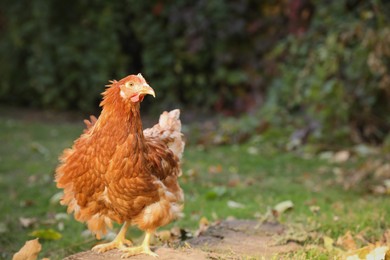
(146, 89)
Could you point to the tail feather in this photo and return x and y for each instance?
(168, 129)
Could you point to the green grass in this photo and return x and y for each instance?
(257, 175)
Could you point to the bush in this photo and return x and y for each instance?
(337, 74)
(58, 59)
(204, 54)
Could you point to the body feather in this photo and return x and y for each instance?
(115, 171)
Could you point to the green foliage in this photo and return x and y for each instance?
(197, 52)
(55, 58)
(337, 73)
(220, 55)
(203, 53)
(47, 234)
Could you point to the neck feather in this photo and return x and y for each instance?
(121, 114)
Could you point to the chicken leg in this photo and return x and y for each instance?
(119, 242)
(144, 248)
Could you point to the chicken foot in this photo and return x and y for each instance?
(144, 248)
(119, 242)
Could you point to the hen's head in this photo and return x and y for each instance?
(134, 88)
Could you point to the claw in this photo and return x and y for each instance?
(119, 242)
(128, 242)
(108, 246)
(131, 251)
(142, 249)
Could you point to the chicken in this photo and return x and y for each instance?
(116, 172)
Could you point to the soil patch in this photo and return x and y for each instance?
(233, 239)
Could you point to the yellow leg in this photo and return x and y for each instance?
(119, 242)
(144, 248)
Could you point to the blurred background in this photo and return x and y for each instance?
(319, 67)
(281, 100)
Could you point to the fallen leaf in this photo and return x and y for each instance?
(314, 209)
(203, 226)
(215, 169)
(370, 252)
(311, 202)
(39, 148)
(233, 170)
(379, 189)
(249, 181)
(164, 236)
(61, 226)
(61, 216)
(26, 203)
(192, 173)
(282, 207)
(328, 243)
(86, 233)
(216, 192)
(346, 241)
(387, 255)
(29, 251)
(253, 150)
(234, 182)
(32, 179)
(386, 237)
(235, 205)
(257, 214)
(230, 218)
(378, 253)
(48, 234)
(176, 231)
(27, 222)
(55, 199)
(3, 228)
(364, 150)
(362, 237)
(327, 155)
(181, 233)
(382, 171)
(341, 156)
(296, 232)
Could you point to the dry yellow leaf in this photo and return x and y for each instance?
(203, 226)
(347, 242)
(370, 252)
(164, 236)
(328, 243)
(387, 255)
(29, 251)
(386, 237)
(341, 156)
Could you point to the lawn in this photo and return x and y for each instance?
(240, 181)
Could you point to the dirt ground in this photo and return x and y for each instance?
(234, 239)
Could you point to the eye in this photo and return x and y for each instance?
(129, 84)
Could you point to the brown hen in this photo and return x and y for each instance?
(117, 172)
